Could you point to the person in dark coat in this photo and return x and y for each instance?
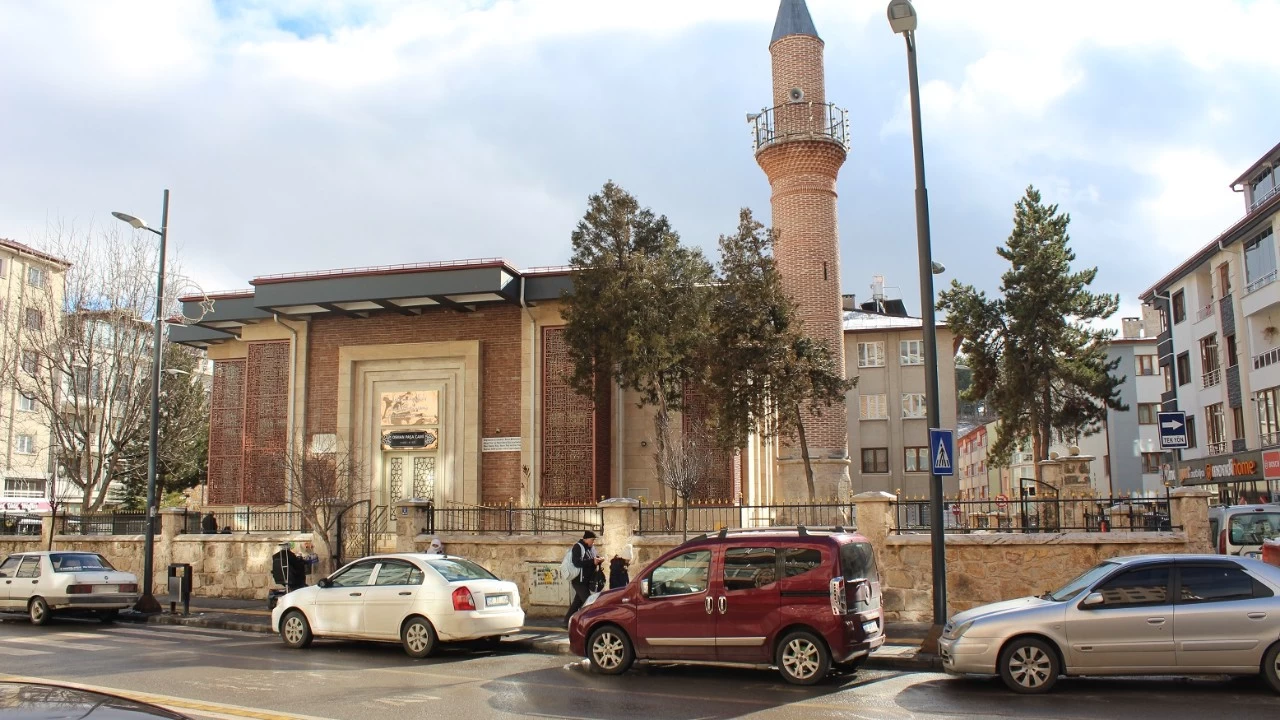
(588, 564)
(618, 575)
(209, 525)
(289, 569)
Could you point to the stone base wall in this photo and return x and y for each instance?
(10, 545)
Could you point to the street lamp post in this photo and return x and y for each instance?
(148, 603)
(902, 18)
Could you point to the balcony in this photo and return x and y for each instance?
(799, 121)
(1205, 312)
(1211, 378)
(1264, 197)
(1219, 448)
(1270, 439)
(1261, 282)
(1269, 357)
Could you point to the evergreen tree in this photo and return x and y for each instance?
(1035, 355)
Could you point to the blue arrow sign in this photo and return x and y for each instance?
(1173, 430)
(942, 451)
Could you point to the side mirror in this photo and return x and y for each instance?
(1093, 599)
(325, 583)
(644, 587)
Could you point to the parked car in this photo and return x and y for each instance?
(416, 599)
(44, 701)
(1241, 529)
(49, 582)
(1146, 614)
(801, 601)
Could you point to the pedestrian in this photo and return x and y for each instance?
(437, 547)
(209, 525)
(588, 565)
(618, 575)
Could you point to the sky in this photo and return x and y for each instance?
(313, 134)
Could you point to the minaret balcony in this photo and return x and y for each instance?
(799, 121)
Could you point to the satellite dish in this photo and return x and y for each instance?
(795, 94)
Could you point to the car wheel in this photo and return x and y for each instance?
(1028, 665)
(39, 611)
(418, 637)
(609, 650)
(295, 631)
(1271, 667)
(106, 617)
(802, 658)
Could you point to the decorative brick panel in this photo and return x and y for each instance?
(569, 440)
(226, 432)
(721, 485)
(266, 429)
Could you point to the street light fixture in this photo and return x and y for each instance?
(148, 603)
(903, 20)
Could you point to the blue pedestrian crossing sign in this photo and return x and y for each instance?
(942, 451)
(1173, 430)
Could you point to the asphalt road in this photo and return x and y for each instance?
(220, 674)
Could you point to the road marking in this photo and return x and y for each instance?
(21, 651)
(178, 631)
(177, 704)
(49, 642)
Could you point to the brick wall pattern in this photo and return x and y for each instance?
(722, 483)
(266, 431)
(568, 428)
(226, 432)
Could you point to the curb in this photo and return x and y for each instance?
(920, 662)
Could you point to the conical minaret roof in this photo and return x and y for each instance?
(793, 19)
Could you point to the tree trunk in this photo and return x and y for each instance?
(661, 430)
(804, 453)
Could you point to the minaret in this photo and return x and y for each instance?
(800, 143)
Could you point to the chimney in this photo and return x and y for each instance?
(1130, 328)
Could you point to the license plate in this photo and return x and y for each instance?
(871, 628)
(1253, 555)
(105, 589)
(496, 600)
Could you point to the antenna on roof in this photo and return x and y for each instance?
(802, 531)
(724, 533)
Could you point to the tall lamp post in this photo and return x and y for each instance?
(902, 18)
(148, 603)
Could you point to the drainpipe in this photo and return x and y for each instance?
(293, 400)
(533, 388)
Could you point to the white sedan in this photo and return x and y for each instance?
(42, 583)
(416, 599)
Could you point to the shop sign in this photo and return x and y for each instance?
(1271, 464)
(1241, 467)
(409, 439)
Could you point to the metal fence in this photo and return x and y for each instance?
(246, 520)
(705, 518)
(1039, 515)
(19, 524)
(102, 523)
(512, 520)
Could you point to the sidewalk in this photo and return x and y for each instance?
(540, 635)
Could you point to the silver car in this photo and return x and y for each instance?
(64, 581)
(1140, 615)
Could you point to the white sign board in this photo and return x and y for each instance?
(500, 444)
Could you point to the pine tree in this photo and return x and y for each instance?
(1035, 354)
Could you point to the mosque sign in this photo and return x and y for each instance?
(409, 440)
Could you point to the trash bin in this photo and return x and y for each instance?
(180, 587)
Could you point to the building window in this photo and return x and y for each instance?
(1237, 418)
(4, 266)
(1259, 261)
(1151, 462)
(912, 352)
(1268, 403)
(1146, 364)
(35, 320)
(1215, 427)
(1164, 319)
(873, 407)
(24, 487)
(30, 363)
(1224, 280)
(1147, 413)
(1209, 354)
(875, 460)
(26, 403)
(1184, 369)
(917, 460)
(1233, 354)
(871, 354)
(26, 445)
(1167, 372)
(1191, 431)
(913, 405)
(37, 276)
(1179, 307)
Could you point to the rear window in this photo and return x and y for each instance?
(1253, 528)
(458, 570)
(78, 562)
(858, 561)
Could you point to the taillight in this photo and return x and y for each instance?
(79, 589)
(1222, 542)
(130, 588)
(839, 605)
(462, 599)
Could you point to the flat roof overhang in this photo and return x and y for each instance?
(196, 336)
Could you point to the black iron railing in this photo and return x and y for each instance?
(102, 523)
(512, 520)
(799, 121)
(20, 524)
(245, 520)
(658, 519)
(1038, 515)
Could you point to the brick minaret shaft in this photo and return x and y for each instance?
(802, 161)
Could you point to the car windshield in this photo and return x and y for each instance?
(78, 562)
(1085, 580)
(458, 570)
(1254, 528)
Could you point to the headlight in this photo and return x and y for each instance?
(956, 632)
(590, 599)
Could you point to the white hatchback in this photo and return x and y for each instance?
(42, 583)
(416, 599)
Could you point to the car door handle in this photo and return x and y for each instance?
(1155, 621)
(723, 605)
(356, 594)
(406, 593)
(708, 604)
(1257, 616)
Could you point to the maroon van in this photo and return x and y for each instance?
(802, 601)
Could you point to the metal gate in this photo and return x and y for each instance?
(361, 531)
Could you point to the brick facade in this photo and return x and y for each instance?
(575, 431)
(266, 417)
(226, 433)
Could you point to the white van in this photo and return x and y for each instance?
(1241, 529)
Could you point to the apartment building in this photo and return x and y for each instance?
(30, 296)
(888, 428)
(1219, 348)
(1135, 466)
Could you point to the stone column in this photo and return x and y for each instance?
(1189, 509)
(413, 518)
(621, 521)
(48, 523)
(875, 517)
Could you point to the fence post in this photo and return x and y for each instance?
(510, 516)
(621, 522)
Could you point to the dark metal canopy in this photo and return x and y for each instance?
(793, 19)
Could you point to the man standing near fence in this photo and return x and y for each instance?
(588, 566)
